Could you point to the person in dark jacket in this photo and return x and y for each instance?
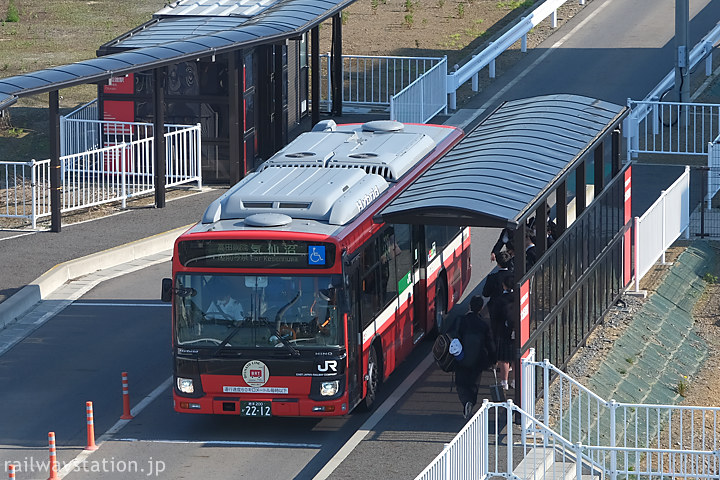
(503, 327)
(478, 353)
(493, 287)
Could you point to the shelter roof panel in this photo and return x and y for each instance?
(83, 69)
(498, 174)
(197, 37)
(132, 57)
(13, 84)
(178, 29)
(215, 8)
(7, 100)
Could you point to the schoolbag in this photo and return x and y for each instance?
(441, 352)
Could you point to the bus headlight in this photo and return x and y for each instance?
(328, 389)
(185, 385)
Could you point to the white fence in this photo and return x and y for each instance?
(661, 225)
(672, 127)
(644, 441)
(103, 175)
(74, 139)
(422, 99)
(373, 81)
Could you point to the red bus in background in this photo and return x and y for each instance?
(288, 300)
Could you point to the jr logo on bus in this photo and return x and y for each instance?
(330, 365)
(255, 373)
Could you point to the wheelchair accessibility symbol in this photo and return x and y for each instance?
(316, 254)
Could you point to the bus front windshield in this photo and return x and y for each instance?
(248, 311)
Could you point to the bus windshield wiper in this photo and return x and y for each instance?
(224, 343)
(282, 339)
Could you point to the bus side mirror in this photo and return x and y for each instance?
(166, 294)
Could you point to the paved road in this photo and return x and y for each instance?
(78, 353)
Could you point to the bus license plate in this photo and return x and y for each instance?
(255, 409)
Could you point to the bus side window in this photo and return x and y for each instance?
(388, 279)
(403, 256)
(369, 283)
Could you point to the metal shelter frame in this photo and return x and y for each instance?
(282, 21)
(509, 168)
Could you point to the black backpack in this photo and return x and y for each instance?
(441, 352)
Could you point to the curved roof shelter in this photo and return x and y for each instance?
(506, 167)
(176, 35)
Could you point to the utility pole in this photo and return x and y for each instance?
(682, 53)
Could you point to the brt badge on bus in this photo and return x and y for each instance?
(316, 254)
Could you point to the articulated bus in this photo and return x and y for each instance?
(288, 300)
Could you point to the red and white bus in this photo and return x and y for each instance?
(288, 300)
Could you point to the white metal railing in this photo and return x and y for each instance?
(103, 175)
(672, 127)
(487, 57)
(17, 190)
(488, 445)
(372, 81)
(669, 116)
(423, 98)
(580, 415)
(661, 225)
(80, 137)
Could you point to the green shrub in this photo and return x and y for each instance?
(12, 12)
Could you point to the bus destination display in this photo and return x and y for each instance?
(256, 254)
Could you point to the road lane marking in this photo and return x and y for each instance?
(82, 456)
(542, 57)
(225, 442)
(370, 423)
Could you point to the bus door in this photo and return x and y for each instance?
(354, 335)
(419, 293)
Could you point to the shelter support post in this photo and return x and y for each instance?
(337, 64)
(615, 154)
(541, 228)
(55, 183)
(561, 208)
(315, 74)
(599, 157)
(280, 102)
(236, 129)
(159, 129)
(519, 246)
(580, 189)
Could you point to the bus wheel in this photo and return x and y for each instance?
(373, 379)
(440, 305)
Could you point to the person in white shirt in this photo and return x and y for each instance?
(226, 307)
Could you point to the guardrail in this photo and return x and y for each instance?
(99, 176)
(661, 225)
(487, 57)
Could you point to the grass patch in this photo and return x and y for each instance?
(513, 4)
(58, 32)
(13, 15)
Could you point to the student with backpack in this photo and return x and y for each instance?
(478, 354)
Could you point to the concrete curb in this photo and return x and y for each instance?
(22, 301)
